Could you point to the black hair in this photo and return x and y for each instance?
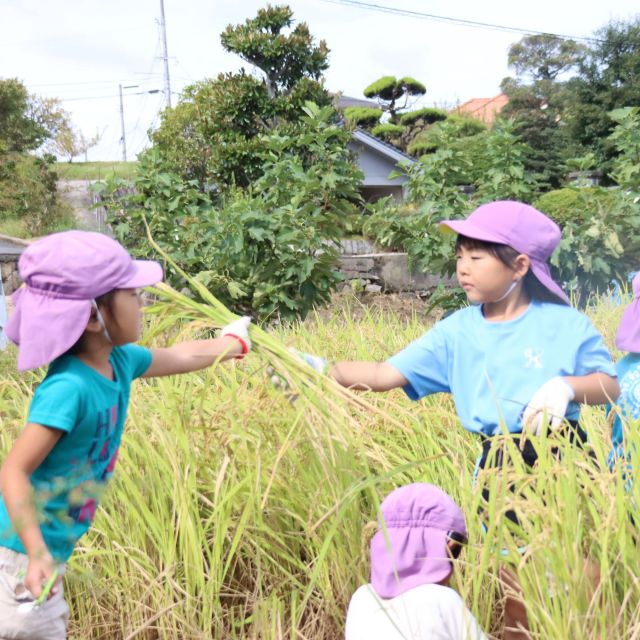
(507, 255)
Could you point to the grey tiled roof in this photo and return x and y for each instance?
(384, 147)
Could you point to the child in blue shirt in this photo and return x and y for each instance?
(628, 368)
(518, 358)
(79, 312)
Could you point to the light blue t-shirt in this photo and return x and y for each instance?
(91, 410)
(493, 368)
(628, 402)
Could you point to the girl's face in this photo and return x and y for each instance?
(483, 276)
(123, 319)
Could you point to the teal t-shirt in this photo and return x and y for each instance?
(629, 401)
(91, 410)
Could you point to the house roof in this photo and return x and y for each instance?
(347, 101)
(381, 146)
(484, 109)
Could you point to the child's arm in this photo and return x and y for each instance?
(29, 450)
(198, 354)
(594, 388)
(367, 376)
(364, 376)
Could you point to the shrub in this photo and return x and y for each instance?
(388, 131)
(270, 250)
(572, 204)
(427, 115)
(28, 196)
(363, 116)
(600, 245)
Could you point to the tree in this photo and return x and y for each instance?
(538, 100)
(544, 57)
(28, 194)
(402, 127)
(285, 59)
(25, 121)
(608, 79)
(70, 142)
(389, 90)
(212, 135)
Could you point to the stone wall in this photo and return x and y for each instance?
(386, 272)
(9, 273)
(371, 272)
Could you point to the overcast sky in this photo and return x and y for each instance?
(81, 51)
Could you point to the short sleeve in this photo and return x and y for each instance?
(460, 623)
(593, 356)
(138, 359)
(425, 363)
(56, 403)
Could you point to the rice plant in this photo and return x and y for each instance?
(240, 511)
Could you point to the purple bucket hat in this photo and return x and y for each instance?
(628, 335)
(63, 273)
(412, 548)
(520, 226)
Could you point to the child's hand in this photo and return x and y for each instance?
(39, 572)
(239, 329)
(548, 406)
(315, 362)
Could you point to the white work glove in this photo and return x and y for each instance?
(239, 329)
(548, 406)
(315, 362)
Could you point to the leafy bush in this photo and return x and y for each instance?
(601, 245)
(363, 116)
(505, 176)
(268, 250)
(574, 204)
(427, 115)
(384, 87)
(388, 131)
(626, 138)
(28, 196)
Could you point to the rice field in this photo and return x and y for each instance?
(241, 511)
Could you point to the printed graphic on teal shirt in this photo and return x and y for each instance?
(91, 410)
(100, 453)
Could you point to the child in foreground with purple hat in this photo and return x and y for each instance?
(519, 358)
(628, 367)
(411, 564)
(78, 312)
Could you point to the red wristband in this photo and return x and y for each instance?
(243, 344)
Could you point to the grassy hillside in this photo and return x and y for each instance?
(94, 170)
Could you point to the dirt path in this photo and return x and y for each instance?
(76, 193)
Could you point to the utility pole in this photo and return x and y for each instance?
(165, 57)
(123, 138)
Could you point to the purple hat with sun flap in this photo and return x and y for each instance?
(519, 226)
(628, 335)
(62, 274)
(411, 549)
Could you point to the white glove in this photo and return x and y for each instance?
(239, 329)
(548, 406)
(315, 362)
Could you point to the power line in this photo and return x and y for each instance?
(450, 20)
(90, 82)
(138, 93)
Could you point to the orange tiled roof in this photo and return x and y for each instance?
(485, 109)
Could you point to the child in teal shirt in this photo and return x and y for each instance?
(79, 312)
